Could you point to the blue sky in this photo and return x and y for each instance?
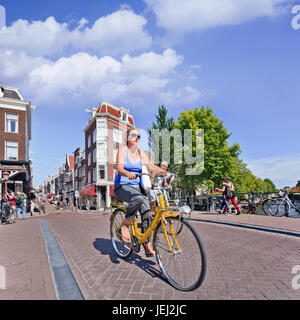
(239, 57)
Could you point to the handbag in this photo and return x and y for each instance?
(145, 180)
(228, 193)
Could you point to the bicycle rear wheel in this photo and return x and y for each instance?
(184, 264)
(277, 207)
(116, 222)
(244, 206)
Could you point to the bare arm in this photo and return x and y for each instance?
(150, 166)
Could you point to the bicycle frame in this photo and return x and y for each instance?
(161, 214)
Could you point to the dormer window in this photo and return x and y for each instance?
(124, 117)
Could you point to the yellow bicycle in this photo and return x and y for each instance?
(178, 247)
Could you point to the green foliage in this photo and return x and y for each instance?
(162, 123)
(220, 159)
(298, 184)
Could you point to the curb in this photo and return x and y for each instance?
(253, 227)
(66, 287)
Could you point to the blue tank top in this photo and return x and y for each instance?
(135, 167)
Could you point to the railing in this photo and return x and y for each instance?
(211, 202)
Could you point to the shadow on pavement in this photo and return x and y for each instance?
(104, 246)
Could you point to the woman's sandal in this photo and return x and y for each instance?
(148, 252)
(125, 235)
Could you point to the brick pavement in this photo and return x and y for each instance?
(242, 264)
(23, 255)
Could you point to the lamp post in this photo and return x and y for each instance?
(5, 175)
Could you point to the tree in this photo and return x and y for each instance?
(220, 159)
(162, 122)
(269, 186)
(298, 184)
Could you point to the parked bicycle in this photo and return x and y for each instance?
(250, 205)
(282, 205)
(7, 214)
(178, 247)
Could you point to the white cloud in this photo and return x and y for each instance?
(179, 16)
(16, 65)
(282, 170)
(132, 81)
(112, 34)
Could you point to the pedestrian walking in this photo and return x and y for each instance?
(12, 201)
(43, 206)
(233, 196)
(226, 193)
(32, 205)
(20, 205)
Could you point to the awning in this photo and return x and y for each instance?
(111, 190)
(89, 191)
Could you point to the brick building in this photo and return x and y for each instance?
(104, 132)
(15, 136)
(79, 174)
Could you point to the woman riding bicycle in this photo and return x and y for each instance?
(127, 186)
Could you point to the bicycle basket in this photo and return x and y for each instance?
(281, 193)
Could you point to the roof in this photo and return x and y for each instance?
(7, 92)
(114, 111)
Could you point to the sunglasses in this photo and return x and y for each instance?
(134, 135)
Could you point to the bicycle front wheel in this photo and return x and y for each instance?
(180, 254)
(273, 207)
(116, 222)
(265, 206)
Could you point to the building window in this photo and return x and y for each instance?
(88, 176)
(101, 172)
(124, 117)
(102, 129)
(102, 151)
(94, 155)
(115, 152)
(117, 135)
(11, 148)
(94, 175)
(88, 141)
(89, 155)
(11, 122)
(94, 136)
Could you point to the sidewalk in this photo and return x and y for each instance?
(23, 257)
(285, 223)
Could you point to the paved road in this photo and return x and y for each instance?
(242, 263)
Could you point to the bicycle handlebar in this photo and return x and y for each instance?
(156, 179)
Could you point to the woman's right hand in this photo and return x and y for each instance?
(131, 176)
